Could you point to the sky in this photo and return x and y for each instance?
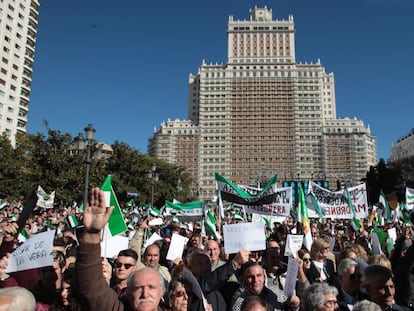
(123, 65)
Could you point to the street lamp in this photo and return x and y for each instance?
(153, 176)
(89, 140)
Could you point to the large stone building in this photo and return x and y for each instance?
(18, 29)
(403, 148)
(263, 113)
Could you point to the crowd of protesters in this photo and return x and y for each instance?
(334, 274)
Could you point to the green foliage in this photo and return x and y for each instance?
(39, 160)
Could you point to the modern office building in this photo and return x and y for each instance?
(263, 113)
(18, 30)
(403, 148)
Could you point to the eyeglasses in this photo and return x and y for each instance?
(354, 276)
(306, 259)
(180, 293)
(126, 265)
(330, 303)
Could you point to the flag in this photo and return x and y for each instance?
(405, 214)
(43, 199)
(3, 203)
(116, 224)
(72, 221)
(210, 222)
(409, 198)
(155, 212)
(316, 206)
(383, 200)
(238, 216)
(233, 193)
(23, 236)
(355, 223)
(303, 209)
(267, 222)
(190, 211)
(130, 203)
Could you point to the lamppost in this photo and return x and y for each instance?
(89, 140)
(153, 176)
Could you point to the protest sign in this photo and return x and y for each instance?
(291, 277)
(293, 244)
(112, 246)
(250, 236)
(36, 252)
(154, 237)
(176, 246)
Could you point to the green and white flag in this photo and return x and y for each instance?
(3, 203)
(190, 211)
(155, 212)
(383, 200)
(238, 216)
(23, 236)
(43, 199)
(409, 198)
(116, 224)
(355, 223)
(232, 193)
(210, 222)
(72, 221)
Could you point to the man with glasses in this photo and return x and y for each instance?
(125, 264)
(349, 281)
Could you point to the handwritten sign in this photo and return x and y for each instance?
(293, 244)
(36, 252)
(250, 236)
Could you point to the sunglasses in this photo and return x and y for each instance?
(180, 293)
(126, 265)
(306, 260)
(330, 303)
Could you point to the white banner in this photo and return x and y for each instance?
(335, 204)
(280, 207)
(43, 199)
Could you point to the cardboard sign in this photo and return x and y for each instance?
(36, 252)
(250, 236)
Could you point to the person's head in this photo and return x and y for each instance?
(195, 240)
(16, 299)
(254, 278)
(320, 297)
(67, 290)
(319, 249)
(178, 296)
(253, 303)
(315, 232)
(50, 276)
(68, 236)
(349, 276)
(379, 284)
(380, 259)
(306, 258)
(125, 264)
(272, 243)
(271, 259)
(366, 305)
(213, 249)
(145, 288)
(199, 263)
(152, 256)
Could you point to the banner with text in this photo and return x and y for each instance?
(335, 204)
(280, 207)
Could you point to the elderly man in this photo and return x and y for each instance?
(349, 281)
(144, 287)
(320, 297)
(254, 285)
(379, 284)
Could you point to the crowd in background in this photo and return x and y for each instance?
(341, 273)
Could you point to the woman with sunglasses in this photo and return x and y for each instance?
(179, 297)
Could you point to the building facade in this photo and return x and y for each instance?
(403, 148)
(263, 113)
(18, 30)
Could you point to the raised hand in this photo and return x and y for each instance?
(96, 214)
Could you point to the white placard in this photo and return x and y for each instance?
(154, 237)
(112, 246)
(36, 252)
(291, 277)
(392, 234)
(155, 222)
(176, 246)
(250, 236)
(376, 246)
(293, 244)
